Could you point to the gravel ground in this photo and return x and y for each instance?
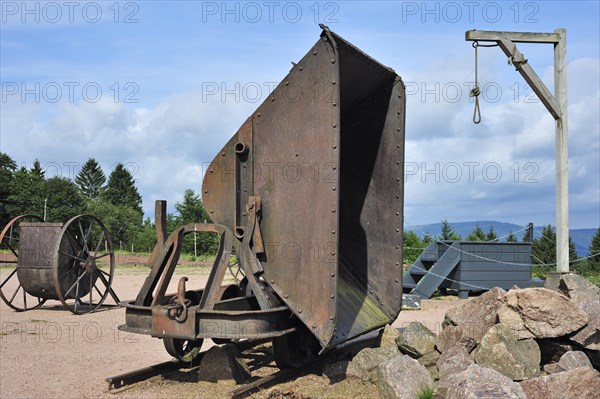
(51, 353)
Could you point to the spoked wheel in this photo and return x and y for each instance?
(11, 290)
(183, 349)
(294, 349)
(235, 269)
(83, 264)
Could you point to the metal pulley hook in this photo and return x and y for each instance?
(475, 91)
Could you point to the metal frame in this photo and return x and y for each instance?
(555, 104)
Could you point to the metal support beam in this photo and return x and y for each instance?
(556, 105)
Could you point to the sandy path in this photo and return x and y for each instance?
(51, 353)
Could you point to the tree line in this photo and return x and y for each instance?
(115, 200)
(543, 248)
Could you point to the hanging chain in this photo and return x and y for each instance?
(475, 91)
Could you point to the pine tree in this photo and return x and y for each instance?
(191, 210)
(528, 236)
(491, 234)
(7, 169)
(412, 246)
(511, 237)
(63, 199)
(121, 191)
(477, 234)
(593, 261)
(544, 248)
(26, 193)
(36, 169)
(447, 232)
(90, 179)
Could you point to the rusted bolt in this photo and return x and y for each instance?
(333, 82)
(223, 153)
(205, 191)
(333, 60)
(333, 188)
(287, 83)
(211, 211)
(332, 231)
(299, 310)
(332, 296)
(333, 211)
(259, 114)
(397, 213)
(286, 295)
(332, 274)
(334, 104)
(301, 68)
(335, 125)
(397, 246)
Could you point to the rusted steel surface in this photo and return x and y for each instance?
(34, 266)
(326, 157)
(309, 194)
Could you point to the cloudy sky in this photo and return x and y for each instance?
(160, 86)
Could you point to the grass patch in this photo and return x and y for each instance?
(425, 392)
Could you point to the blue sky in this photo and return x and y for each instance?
(160, 87)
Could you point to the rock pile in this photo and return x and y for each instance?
(525, 343)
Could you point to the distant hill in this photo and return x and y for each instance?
(581, 237)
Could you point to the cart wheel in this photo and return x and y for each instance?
(294, 349)
(230, 292)
(236, 271)
(14, 294)
(183, 349)
(83, 264)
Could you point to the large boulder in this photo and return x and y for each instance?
(511, 318)
(478, 314)
(501, 351)
(478, 382)
(454, 335)
(429, 359)
(402, 377)
(223, 364)
(416, 340)
(363, 365)
(546, 313)
(589, 336)
(582, 382)
(578, 288)
(587, 297)
(454, 360)
(574, 359)
(388, 337)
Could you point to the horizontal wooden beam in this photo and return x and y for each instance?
(515, 37)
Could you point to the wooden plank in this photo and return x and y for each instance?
(517, 37)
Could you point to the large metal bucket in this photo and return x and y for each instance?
(325, 154)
